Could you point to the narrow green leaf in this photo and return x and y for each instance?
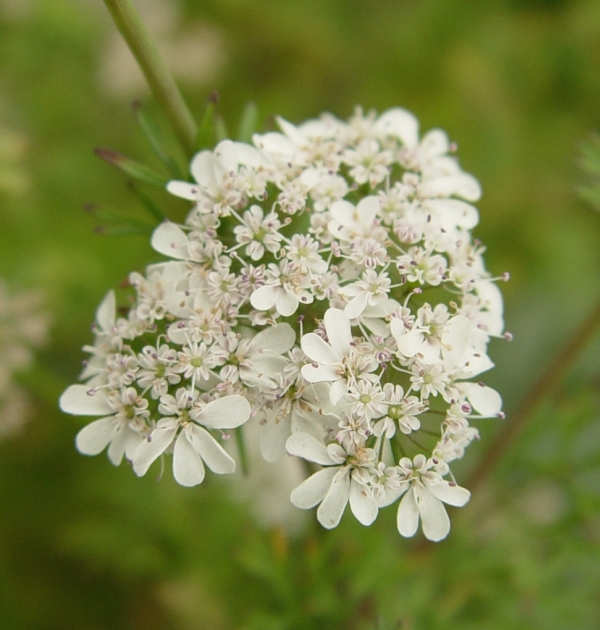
(113, 222)
(206, 130)
(148, 204)
(221, 129)
(131, 167)
(248, 123)
(152, 132)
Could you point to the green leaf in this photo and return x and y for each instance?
(206, 130)
(131, 167)
(148, 204)
(155, 138)
(221, 129)
(112, 222)
(248, 123)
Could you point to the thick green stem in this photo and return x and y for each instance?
(157, 74)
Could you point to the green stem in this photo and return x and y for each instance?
(157, 74)
(241, 444)
(547, 383)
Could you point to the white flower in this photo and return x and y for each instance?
(257, 360)
(338, 362)
(216, 189)
(286, 287)
(368, 162)
(424, 498)
(349, 221)
(327, 279)
(123, 425)
(194, 446)
(372, 289)
(107, 337)
(258, 232)
(344, 479)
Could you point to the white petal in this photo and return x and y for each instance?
(151, 449)
(434, 143)
(118, 445)
(401, 123)
(337, 326)
(76, 400)
(490, 296)
(398, 328)
(320, 373)
(306, 446)
(337, 391)
(184, 190)
(265, 297)
(287, 303)
(313, 490)
(243, 154)
(277, 339)
(373, 323)
(204, 169)
(485, 400)
(211, 451)
(362, 503)
(188, 468)
(262, 369)
(434, 519)
(450, 493)
(95, 437)
(461, 184)
(105, 314)
(273, 437)
(342, 212)
(356, 306)
(274, 143)
(225, 413)
(316, 349)
(333, 505)
(169, 239)
(292, 132)
(368, 208)
(478, 362)
(453, 212)
(455, 340)
(411, 343)
(408, 515)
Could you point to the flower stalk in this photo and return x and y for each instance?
(157, 74)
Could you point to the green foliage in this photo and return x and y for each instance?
(85, 545)
(590, 164)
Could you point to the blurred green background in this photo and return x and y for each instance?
(516, 83)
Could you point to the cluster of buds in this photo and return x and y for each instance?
(325, 287)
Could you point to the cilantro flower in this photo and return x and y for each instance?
(323, 297)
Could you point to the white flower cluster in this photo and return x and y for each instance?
(326, 287)
(23, 327)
